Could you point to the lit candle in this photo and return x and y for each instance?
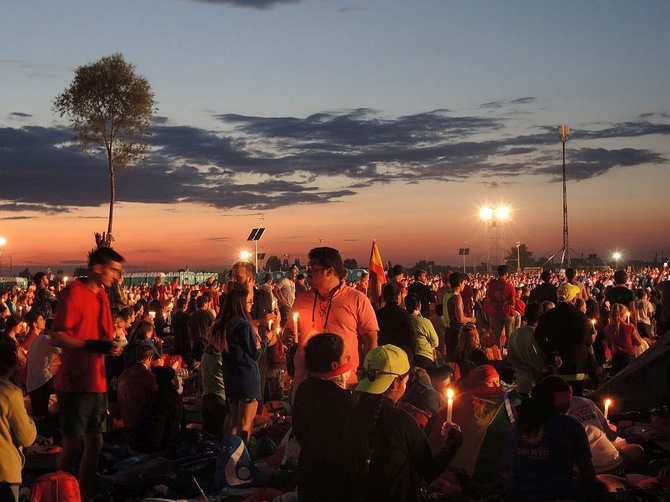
(274, 305)
(607, 407)
(295, 326)
(65, 280)
(628, 317)
(450, 404)
(593, 322)
(270, 325)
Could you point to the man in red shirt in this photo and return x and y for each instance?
(500, 302)
(83, 329)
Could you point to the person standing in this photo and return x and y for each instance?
(564, 335)
(622, 294)
(83, 328)
(332, 307)
(321, 403)
(199, 323)
(499, 304)
(44, 299)
(423, 291)
(285, 293)
(242, 349)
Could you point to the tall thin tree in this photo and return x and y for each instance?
(109, 108)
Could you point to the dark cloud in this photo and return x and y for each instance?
(18, 115)
(260, 163)
(523, 101)
(251, 4)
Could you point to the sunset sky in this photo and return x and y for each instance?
(338, 122)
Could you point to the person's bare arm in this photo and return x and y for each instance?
(367, 342)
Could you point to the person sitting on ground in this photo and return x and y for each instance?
(389, 454)
(611, 454)
(469, 353)
(136, 384)
(623, 337)
(17, 430)
(43, 363)
(547, 444)
(143, 332)
(321, 403)
(162, 417)
(422, 398)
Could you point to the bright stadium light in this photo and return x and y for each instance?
(486, 213)
(245, 255)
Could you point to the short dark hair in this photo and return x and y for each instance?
(103, 256)
(533, 312)
(201, 301)
(502, 270)
(31, 317)
(412, 302)
(37, 278)
(620, 277)
(321, 350)
(417, 274)
(397, 270)
(455, 279)
(390, 292)
(545, 275)
(440, 372)
(570, 273)
(329, 258)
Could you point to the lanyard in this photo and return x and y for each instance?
(330, 304)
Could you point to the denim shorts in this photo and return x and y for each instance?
(82, 412)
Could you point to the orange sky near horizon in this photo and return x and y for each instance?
(409, 223)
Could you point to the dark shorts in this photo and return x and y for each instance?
(82, 412)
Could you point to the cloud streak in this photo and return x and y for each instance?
(261, 163)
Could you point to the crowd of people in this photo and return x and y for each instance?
(413, 388)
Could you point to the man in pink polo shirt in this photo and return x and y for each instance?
(332, 307)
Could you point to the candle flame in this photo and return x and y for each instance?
(450, 394)
(295, 317)
(608, 402)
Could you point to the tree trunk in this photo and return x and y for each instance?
(112, 197)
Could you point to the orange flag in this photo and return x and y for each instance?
(377, 275)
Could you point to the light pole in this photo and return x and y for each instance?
(518, 258)
(3, 241)
(564, 134)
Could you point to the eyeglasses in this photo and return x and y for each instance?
(315, 268)
(372, 375)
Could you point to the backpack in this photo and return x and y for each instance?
(56, 486)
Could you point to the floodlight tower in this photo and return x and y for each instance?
(564, 135)
(494, 217)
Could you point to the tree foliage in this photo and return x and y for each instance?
(109, 108)
(273, 264)
(525, 257)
